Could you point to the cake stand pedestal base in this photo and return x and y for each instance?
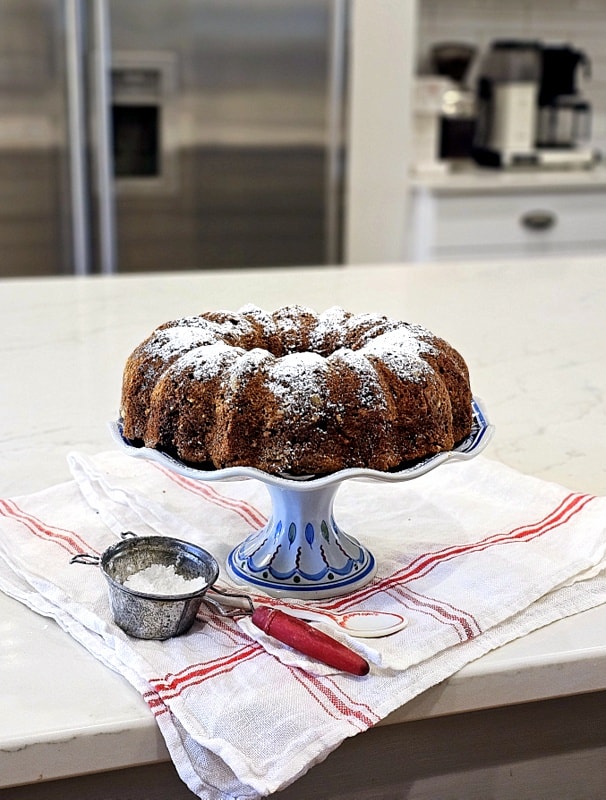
(301, 552)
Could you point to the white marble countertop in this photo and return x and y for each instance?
(471, 179)
(533, 334)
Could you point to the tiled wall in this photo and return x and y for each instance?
(581, 23)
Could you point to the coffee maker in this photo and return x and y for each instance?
(530, 112)
(507, 95)
(564, 115)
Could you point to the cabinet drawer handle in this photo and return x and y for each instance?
(538, 220)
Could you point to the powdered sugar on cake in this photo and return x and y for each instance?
(298, 377)
(208, 361)
(402, 351)
(369, 390)
(169, 342)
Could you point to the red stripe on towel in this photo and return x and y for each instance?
(173, 684)
(68, 540)
(464, 623)
(334, 700)
(248, 512)
(568, 508)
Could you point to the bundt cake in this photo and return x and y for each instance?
(294, 391)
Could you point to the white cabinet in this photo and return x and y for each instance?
(504, 222)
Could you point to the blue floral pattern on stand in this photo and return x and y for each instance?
(313, 565)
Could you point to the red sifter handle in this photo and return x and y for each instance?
(302, 637)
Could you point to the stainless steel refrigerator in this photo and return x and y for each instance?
(148, 135)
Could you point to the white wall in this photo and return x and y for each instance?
(383, 34)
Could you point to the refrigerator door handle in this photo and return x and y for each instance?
(334, 130)
(76, 124)
(104, 161)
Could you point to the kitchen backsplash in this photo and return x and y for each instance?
(581, 23)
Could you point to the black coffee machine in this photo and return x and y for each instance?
(564, 117)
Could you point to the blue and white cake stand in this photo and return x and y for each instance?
(301, 552)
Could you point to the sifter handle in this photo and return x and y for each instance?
(302, 637)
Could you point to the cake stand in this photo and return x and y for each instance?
(302, 552)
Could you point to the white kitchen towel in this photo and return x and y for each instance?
(474, 554)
